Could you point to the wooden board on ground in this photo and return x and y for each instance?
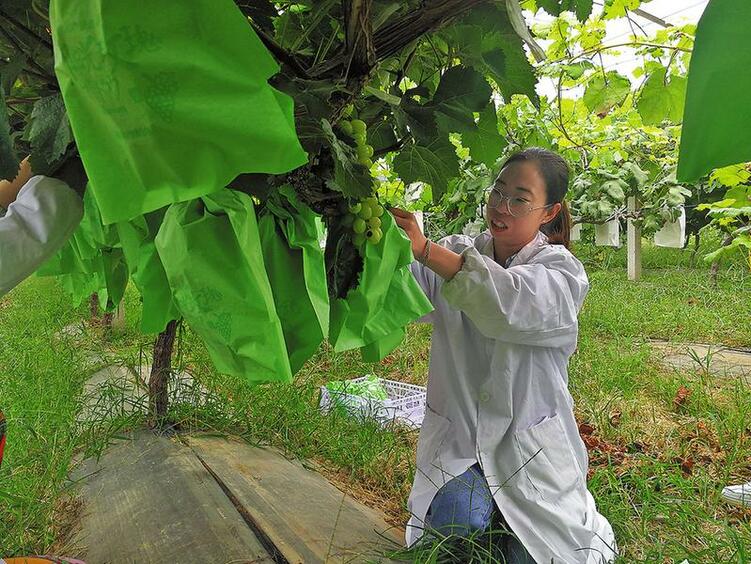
(305, 517)
(150, 499)
(716, 359)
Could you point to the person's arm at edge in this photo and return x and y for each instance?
(444, 262)
(9, 189)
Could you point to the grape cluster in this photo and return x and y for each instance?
(364, 218)
(358, 130)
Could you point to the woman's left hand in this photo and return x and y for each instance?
(408, 223)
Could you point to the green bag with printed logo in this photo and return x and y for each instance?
(211, 252)
(146, 270)
(291, 241)
(91, 261)
(169, 100)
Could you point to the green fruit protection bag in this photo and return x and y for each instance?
(168, 101)
(290, 239)
(211, 252)
(92, 261)
(146, 270)
(386, 300)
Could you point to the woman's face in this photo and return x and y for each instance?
(524, 186)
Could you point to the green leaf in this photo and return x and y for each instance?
(8, 160)
(503, 55)
(461, 92)
(605, 92)
(619, 8)
(636, 173)
(350, 178)
(732, 175)
(484, 142)
(385, 96)
(381, 135)
(10, 70)
(434, 164)
(576, 70)
(49, 133)
(659, 101)
(582, 8)
(614, 189)
(420, 119)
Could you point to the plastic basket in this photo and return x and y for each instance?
(405, 403)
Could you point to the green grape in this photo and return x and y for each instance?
(358, 239)
(374, 222)
(367, 163)
(346, 126)
(360, 139)
(348, 220)
(359, 225)
(366, 212)
(355, 208)
(377, 210)
(359, 127)
(363, 153)
(374, 235)
(371, 201)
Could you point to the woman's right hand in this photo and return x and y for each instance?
(408, 222)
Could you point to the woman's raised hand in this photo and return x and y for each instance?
(408, 223)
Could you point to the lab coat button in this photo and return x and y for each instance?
(484, 396)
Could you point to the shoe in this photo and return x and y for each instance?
(738, 495)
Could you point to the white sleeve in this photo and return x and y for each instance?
(530, 304)
(428, 280)
(35, 226)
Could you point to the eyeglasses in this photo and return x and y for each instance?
(515, 205)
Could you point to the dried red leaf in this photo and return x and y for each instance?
(681, 397)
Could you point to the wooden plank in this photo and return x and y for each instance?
(304, 516)
(150, 499)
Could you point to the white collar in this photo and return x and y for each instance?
(522, 255)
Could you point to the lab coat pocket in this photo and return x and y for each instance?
(548, 460)
(432, 434)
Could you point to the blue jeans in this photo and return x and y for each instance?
(464, 506)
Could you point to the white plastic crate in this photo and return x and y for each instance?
(405, 403)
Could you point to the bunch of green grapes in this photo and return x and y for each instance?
(364, 218)
(358, 130)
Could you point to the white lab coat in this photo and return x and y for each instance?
(35, 227)
(498, 395)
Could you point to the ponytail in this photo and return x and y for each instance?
(559, 230)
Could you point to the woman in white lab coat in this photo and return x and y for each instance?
(499, 443)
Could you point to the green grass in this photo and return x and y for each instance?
(40, 381)
(657, 468)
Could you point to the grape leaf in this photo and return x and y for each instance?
(461, 92)
(350, 177)
(49, 133)
(582, 8)
(8, 159)
(605, 92)
(502, 57)
(660, 101)
(484, 142)
(434, 164)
